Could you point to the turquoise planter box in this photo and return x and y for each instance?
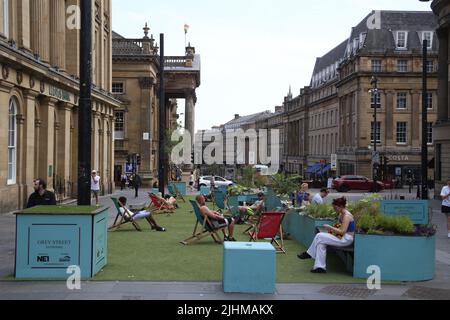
(416, 210)
(181, 186)
(400, 258)
(303, 228)
(48, 242)
(249, 267)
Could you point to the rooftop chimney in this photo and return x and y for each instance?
(236, 116)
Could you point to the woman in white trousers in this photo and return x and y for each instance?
(337, 237)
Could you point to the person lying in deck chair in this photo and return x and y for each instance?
(144, 214)
(256, 209)
(171, 200)
(217, 220)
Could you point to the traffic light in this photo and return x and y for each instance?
(128, 159)
(138, 159)
(192, 157)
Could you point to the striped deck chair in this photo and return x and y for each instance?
(120, 219)
(203, 228)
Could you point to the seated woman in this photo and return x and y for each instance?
(144, 214)
(342, 236)
(303, 197)
(257, 208)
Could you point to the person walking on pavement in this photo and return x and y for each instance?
(123, 181)
(445, 195)
(191, 181)
(95, 186)
(137, 184)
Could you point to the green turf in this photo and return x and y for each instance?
(63, 210)
(158, 256)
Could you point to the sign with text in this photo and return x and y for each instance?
(334, 162)
(53, 247)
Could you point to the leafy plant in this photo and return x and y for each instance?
(283, 185)
(321, 211)
(384, 224)
(237, 190)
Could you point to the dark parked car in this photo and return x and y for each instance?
(347, 183)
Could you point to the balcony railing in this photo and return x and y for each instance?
(134, 47)
(176, 62)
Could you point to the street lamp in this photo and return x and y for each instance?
(375, 156)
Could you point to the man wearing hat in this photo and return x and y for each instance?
(95, 185)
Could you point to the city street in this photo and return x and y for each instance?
(439, 288)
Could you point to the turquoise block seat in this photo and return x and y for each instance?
(249, 268)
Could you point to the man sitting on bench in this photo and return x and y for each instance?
(144, 214)
(217, 220)
(341, 235)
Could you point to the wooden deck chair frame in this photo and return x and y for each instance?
(205, 229)
(120, 220)
(177, 192)
(279, 245)
(159, 208)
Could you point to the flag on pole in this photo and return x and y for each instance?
(186, 28)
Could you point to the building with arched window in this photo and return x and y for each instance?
(39, 90)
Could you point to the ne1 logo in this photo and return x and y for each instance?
(43, 259)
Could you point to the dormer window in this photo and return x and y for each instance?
(428, 36)
(401, 40)
(362, 39)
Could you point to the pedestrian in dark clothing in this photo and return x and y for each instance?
(137, 182)
(41, 197)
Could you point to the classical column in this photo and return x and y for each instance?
(190, 112)
(145, 145)
(74, 153)
(64, 143)
(40, 28)
(443, 96)
(46, 147)
(95, 140)
(28, 173)
(57, 34)
(23, 27)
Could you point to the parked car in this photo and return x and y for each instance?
(347, 183)
(205, 181)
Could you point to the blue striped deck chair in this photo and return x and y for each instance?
(203, 228)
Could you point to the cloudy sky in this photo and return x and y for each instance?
(251, 50)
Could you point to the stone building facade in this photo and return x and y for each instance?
(442, 127)
(334, 115)
(136, 69)
(39, 88)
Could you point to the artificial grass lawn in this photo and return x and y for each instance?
(63, 210)
(159, 256)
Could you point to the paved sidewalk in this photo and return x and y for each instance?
(439, 288)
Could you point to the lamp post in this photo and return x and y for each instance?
(375, 157)
(162, 170)
(85, 105)
(424, 123)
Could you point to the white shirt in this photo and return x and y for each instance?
(95, 183)
(317, 199)
(446, 191)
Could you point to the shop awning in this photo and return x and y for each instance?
(314, 168)
(326, 168)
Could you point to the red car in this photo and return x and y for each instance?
(347, 183)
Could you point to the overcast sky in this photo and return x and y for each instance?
(251, 50)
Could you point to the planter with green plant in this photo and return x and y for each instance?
(302, 225)
(403, 251)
